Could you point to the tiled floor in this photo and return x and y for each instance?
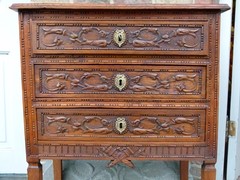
(97, 170)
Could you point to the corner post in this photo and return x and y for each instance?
(34, 170)
(208, 171)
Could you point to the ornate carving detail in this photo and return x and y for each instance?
(189, 37)
(79, 37)
(82, 82)
(137, 86)
(174, 125)
(121, 154)
(86, 125)
(174, 83)
(167, 38)
(141, 126)
(59, 86)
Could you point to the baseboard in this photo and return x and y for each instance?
(13, 176)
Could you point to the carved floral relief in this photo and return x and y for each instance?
(98, 125)
(168, 82)
(157, 37)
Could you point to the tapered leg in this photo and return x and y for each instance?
(208, 171)
(57, 169)
(34, 170)
(183, 170)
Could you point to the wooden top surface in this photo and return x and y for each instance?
(75, 6)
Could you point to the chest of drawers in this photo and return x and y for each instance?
(120, 82)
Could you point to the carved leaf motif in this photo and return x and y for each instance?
(183, 83)
(157, 37)
(79, 37)
(61, 119)
(64, 124)
(56, 76)
(141, 126)
(138, 86)
(104, 129)
(77, 83)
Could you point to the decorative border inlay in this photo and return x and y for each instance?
(116, 153)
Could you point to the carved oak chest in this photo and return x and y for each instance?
(120, 82)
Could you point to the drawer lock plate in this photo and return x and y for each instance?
(121, 125)
(119, 37)
(120, 81)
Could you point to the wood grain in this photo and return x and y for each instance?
(184, 170)
(34, 171)
(57, 169)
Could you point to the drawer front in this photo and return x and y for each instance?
(122, 125)
(157, 37)
(120, 81)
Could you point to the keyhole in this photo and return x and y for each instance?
(120, 125)
(120, 82)
(119, 37)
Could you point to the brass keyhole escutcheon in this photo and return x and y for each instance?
(121, 125)
(119, 37)
(120, 81)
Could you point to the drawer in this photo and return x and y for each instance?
(121, 125)
(113, 37)
(120, 81)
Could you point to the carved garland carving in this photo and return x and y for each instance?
(187, 38)
(136, 83)
(140, 126)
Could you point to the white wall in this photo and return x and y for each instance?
(234, 142)
(224, 80)
(12, 146)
